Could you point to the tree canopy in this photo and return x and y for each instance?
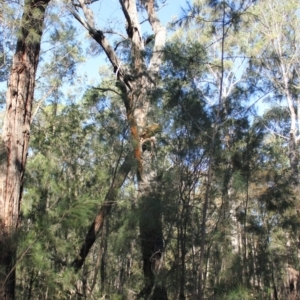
(149, 159)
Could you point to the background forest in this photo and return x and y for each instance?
(167, 167)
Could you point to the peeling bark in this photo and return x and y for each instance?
(15, 137)
(136, 87)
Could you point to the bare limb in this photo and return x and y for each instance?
(87, 13)
(160, 34)
(106, 90)
(80, 20)
(99, 37)
(131, 16)
(41, 102)
(126, 14)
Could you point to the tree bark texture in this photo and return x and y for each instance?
(15, 136)
(136, 83)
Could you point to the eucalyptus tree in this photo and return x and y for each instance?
(136, 80)
(8, 25)
(274, 54)
(15, 135)
(274, 37)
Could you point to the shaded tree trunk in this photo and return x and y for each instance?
(136, 84)
(15, 137)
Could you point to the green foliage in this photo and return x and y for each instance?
(240, 293)
(64, 187)
(203, 104)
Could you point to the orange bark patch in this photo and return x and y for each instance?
(136, 144)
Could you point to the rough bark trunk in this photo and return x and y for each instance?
(15, 136)
(136, 86)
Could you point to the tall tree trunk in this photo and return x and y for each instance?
(136, 86)
(15, 137)
(293, 140)
(203, 228)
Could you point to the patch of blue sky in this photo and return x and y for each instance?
(108, 17)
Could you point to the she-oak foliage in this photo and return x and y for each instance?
(206, 210)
